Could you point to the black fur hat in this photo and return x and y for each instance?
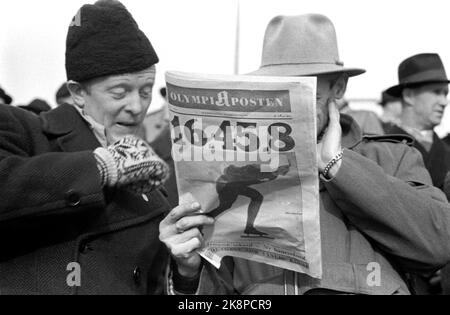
(104, 39)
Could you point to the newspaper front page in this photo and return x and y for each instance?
(245, 148)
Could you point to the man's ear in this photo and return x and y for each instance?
(408, 97)
(340, 86)
(78, 93)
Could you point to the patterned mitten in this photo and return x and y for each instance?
(131, 162)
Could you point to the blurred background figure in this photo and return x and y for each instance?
(5, 98)
(423, 90)
(367, 120)
(63, 96)
(37, 106)
(446, 140)
(157, 121)
(392, 108)
(156, 131)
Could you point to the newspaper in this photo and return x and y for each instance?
(245, 148)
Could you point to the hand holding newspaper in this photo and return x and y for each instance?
(245, 148)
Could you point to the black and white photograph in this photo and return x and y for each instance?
(237, 150)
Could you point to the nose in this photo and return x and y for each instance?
(135, 105)
(443, 100)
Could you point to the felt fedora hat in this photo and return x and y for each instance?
(418, 70)
(302, 45)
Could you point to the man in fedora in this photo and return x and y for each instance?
(81, 197)
(377, 203)
(423, 89)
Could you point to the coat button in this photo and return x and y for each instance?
(137, 275)
(72, 198)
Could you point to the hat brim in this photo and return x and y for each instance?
(397, 90)
(305, 70)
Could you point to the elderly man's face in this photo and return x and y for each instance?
(120, 102)
(428, 103)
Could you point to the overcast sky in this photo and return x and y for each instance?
(199, 36)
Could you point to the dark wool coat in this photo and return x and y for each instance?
(54, 212)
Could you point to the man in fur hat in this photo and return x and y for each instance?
(81, 197)
(378, 206)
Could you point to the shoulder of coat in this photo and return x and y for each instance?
(392, 138)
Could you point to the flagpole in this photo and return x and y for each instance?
(238, 34)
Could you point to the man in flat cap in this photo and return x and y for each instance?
(423, 90)
(378, 206)
(81, 197)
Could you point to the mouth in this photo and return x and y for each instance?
(127, 124)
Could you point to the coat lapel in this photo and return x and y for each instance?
(71, 133)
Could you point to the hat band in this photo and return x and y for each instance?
(338, 63)
(435, 75)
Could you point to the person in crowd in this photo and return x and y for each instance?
(367, 120)
(5, 98)
(423, 90)
(377, 202)
(156, 131)
(37, 106)
(63, 96)
(81, 197)
(392, 108)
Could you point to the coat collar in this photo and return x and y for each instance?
(392, 128)
(72, 133)
(351, 132)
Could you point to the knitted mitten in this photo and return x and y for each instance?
(131, 162)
